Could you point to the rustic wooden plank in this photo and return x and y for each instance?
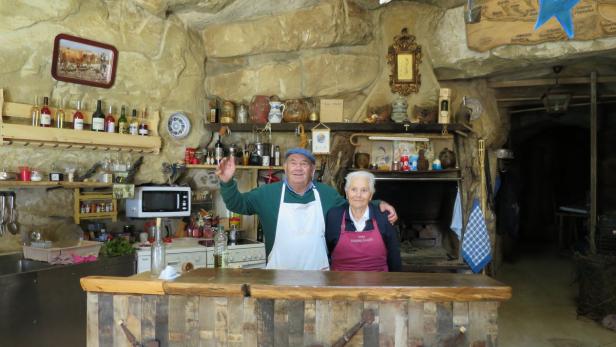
(124, 285)
(460, 315)
(177, 319)
(191, 324)
(207, 318)
(221, 324)
(305, 285)
(393, 323)
(162, 320)
(323, 320)
(148, 317)
(105, 320)
(120, 313)
(371, 332)
(296, 322)
(444, 322)
(355, 308)
(478, 327)
(265, 322)
(492, 308)
(339, 323)
(249, 328)
(236, 317)
(310, 324)
(281, 323)
(430, 323)
(416, 323)
(92, 313)
(133, 320)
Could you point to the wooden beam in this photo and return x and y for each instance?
(593, 161)
(549, 81)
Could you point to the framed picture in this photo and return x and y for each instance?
(404, 57)
(320, 140)
(381, 154)
(79, 60)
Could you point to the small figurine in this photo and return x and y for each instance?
(422, 163)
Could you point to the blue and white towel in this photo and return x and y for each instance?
(476, 247)
(456, 216)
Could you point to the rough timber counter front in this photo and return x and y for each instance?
(254, 307)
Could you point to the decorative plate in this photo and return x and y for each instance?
(178, 125)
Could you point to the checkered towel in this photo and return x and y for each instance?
(476, 248)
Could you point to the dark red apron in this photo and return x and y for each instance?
(359, 251)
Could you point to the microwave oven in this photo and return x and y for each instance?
(159, 201)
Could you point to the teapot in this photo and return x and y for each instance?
(275, 112)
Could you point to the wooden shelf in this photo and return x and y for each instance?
(50, 184)
(351, 127)
(15, 129)
(239, 167)
(432, 175)
(80, 196)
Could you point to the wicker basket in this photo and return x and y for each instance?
(83, 248)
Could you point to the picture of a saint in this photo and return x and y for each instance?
(405, 67)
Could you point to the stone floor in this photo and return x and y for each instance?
(542, 311)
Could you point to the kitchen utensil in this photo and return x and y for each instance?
(12, 226)
(367, 317)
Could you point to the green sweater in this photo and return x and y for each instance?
(265, 202)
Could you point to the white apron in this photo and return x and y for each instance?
(300, 236)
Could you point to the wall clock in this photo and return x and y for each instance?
(178, 125)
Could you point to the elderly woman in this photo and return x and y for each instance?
(358, 236)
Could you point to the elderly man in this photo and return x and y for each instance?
(291, 212)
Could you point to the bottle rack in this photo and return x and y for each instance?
(97, 198)
(16, 129)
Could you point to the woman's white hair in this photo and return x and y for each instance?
(364, 174)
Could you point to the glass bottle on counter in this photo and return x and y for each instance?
(45, 113)
(143, 124)
(60, 115)
(98, 117)
(110, 121)
(123, 122)
(220, 248)
(36, 113)
(277, 156)
(78, 117)
(157, 253)
(133, 126)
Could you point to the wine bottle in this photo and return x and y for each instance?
(123, 122)
(45, 113)
(219, 151)
(36, 113)
(110, 121)
(133, 127)
(60, 115)
(78, 117)
(98, 117)
(143, 125)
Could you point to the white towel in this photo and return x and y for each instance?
(456, 216)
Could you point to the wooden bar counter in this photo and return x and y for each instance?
(255, 307)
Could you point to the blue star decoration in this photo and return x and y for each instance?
(561, 9)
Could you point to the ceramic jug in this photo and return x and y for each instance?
(275, 112)
(259, 109)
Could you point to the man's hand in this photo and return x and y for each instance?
(385, 207)
(226, 169)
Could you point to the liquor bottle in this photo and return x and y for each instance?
(98, 117)
(277, 156)
(220, 248)
(214, 113)
(133, 126)
(60, 115)
(36, 113)
(219, 151)
(123, 122)
(78, 117)
(110, 121)
(143, 124)
(45, 113)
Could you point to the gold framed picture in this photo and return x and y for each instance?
(404, 57)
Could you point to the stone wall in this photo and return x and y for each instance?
(160, 64)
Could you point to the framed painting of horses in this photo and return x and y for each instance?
(83, 61)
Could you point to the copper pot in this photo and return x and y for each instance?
(295, 111)
(259, 109)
